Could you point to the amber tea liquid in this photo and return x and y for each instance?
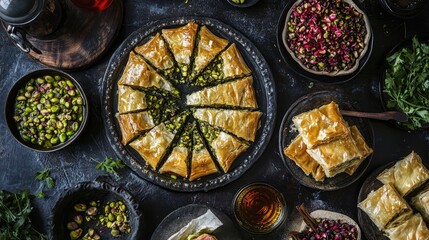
(100, 5)
(259, 208)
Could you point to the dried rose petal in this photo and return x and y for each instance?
(326, 36)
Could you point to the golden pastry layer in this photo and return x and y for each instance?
(407, 174)
(155, 123)
(386, 207)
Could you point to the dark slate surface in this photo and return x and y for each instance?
(259, 23)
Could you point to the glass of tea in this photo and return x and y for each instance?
(259, 208)
(99, 5)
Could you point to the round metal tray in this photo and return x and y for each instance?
(264, 88)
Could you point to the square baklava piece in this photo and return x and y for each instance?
(386, 207)
(406, 175)
(321, 125)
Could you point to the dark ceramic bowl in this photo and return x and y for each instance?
(384, 97)
(295, 65)
(405, 9)
(63, 211)
(10, 109)
(247, 3)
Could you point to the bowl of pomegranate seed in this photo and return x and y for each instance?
(323, 224)
(326, 38)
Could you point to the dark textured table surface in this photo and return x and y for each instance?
(259, 23)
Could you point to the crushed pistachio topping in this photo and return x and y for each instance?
(173, 74)
(171, 108)
(177, 123)
(156, 116)
(198, 141)
(154, 101)
(213, 74)
(209, 132)
(186, 138)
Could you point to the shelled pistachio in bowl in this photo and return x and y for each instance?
(326, 37)
(46, 110)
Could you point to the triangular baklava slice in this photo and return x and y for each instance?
(235, 94)
(139, 74)
(132, 100)
(132, 124)
(208, 47)
(228, 65)
(225, 147)
(321, 125)
(181, 41)
(202, 163)
(241, 123)
(177, 161)
(153, 145)
(406, 175)
(156, 52)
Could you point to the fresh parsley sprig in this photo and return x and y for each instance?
(15, 223)
(407, 83)
(110, 165)
(47, 180)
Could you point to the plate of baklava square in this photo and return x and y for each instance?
(189, 103)
(393, 202)
(321, 148)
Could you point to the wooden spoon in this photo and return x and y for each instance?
(389, 115)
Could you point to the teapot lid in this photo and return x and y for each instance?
(20, 12)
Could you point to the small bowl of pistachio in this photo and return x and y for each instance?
(242, 3)
(46, 110)
(96, 210)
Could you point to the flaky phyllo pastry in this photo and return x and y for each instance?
(134, 123)
(194, 137)
(139, 74)
(228, 65)
(177, 161)
(208, 47)
(297, 152)
(337, 156)
(421, 203)
(181, 42)
(386, 207)
(202, 163)
(156, 52)
(239, 94)
(414, 228)
(243, 124)
(225, 147)
(406, 175)
(334, 155)
(154, 144)
(321, 125)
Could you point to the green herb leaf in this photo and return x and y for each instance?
(407, 83)
(42, 175)
(50, 183)
(110, 165)
(15, 223)
(40, 194)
